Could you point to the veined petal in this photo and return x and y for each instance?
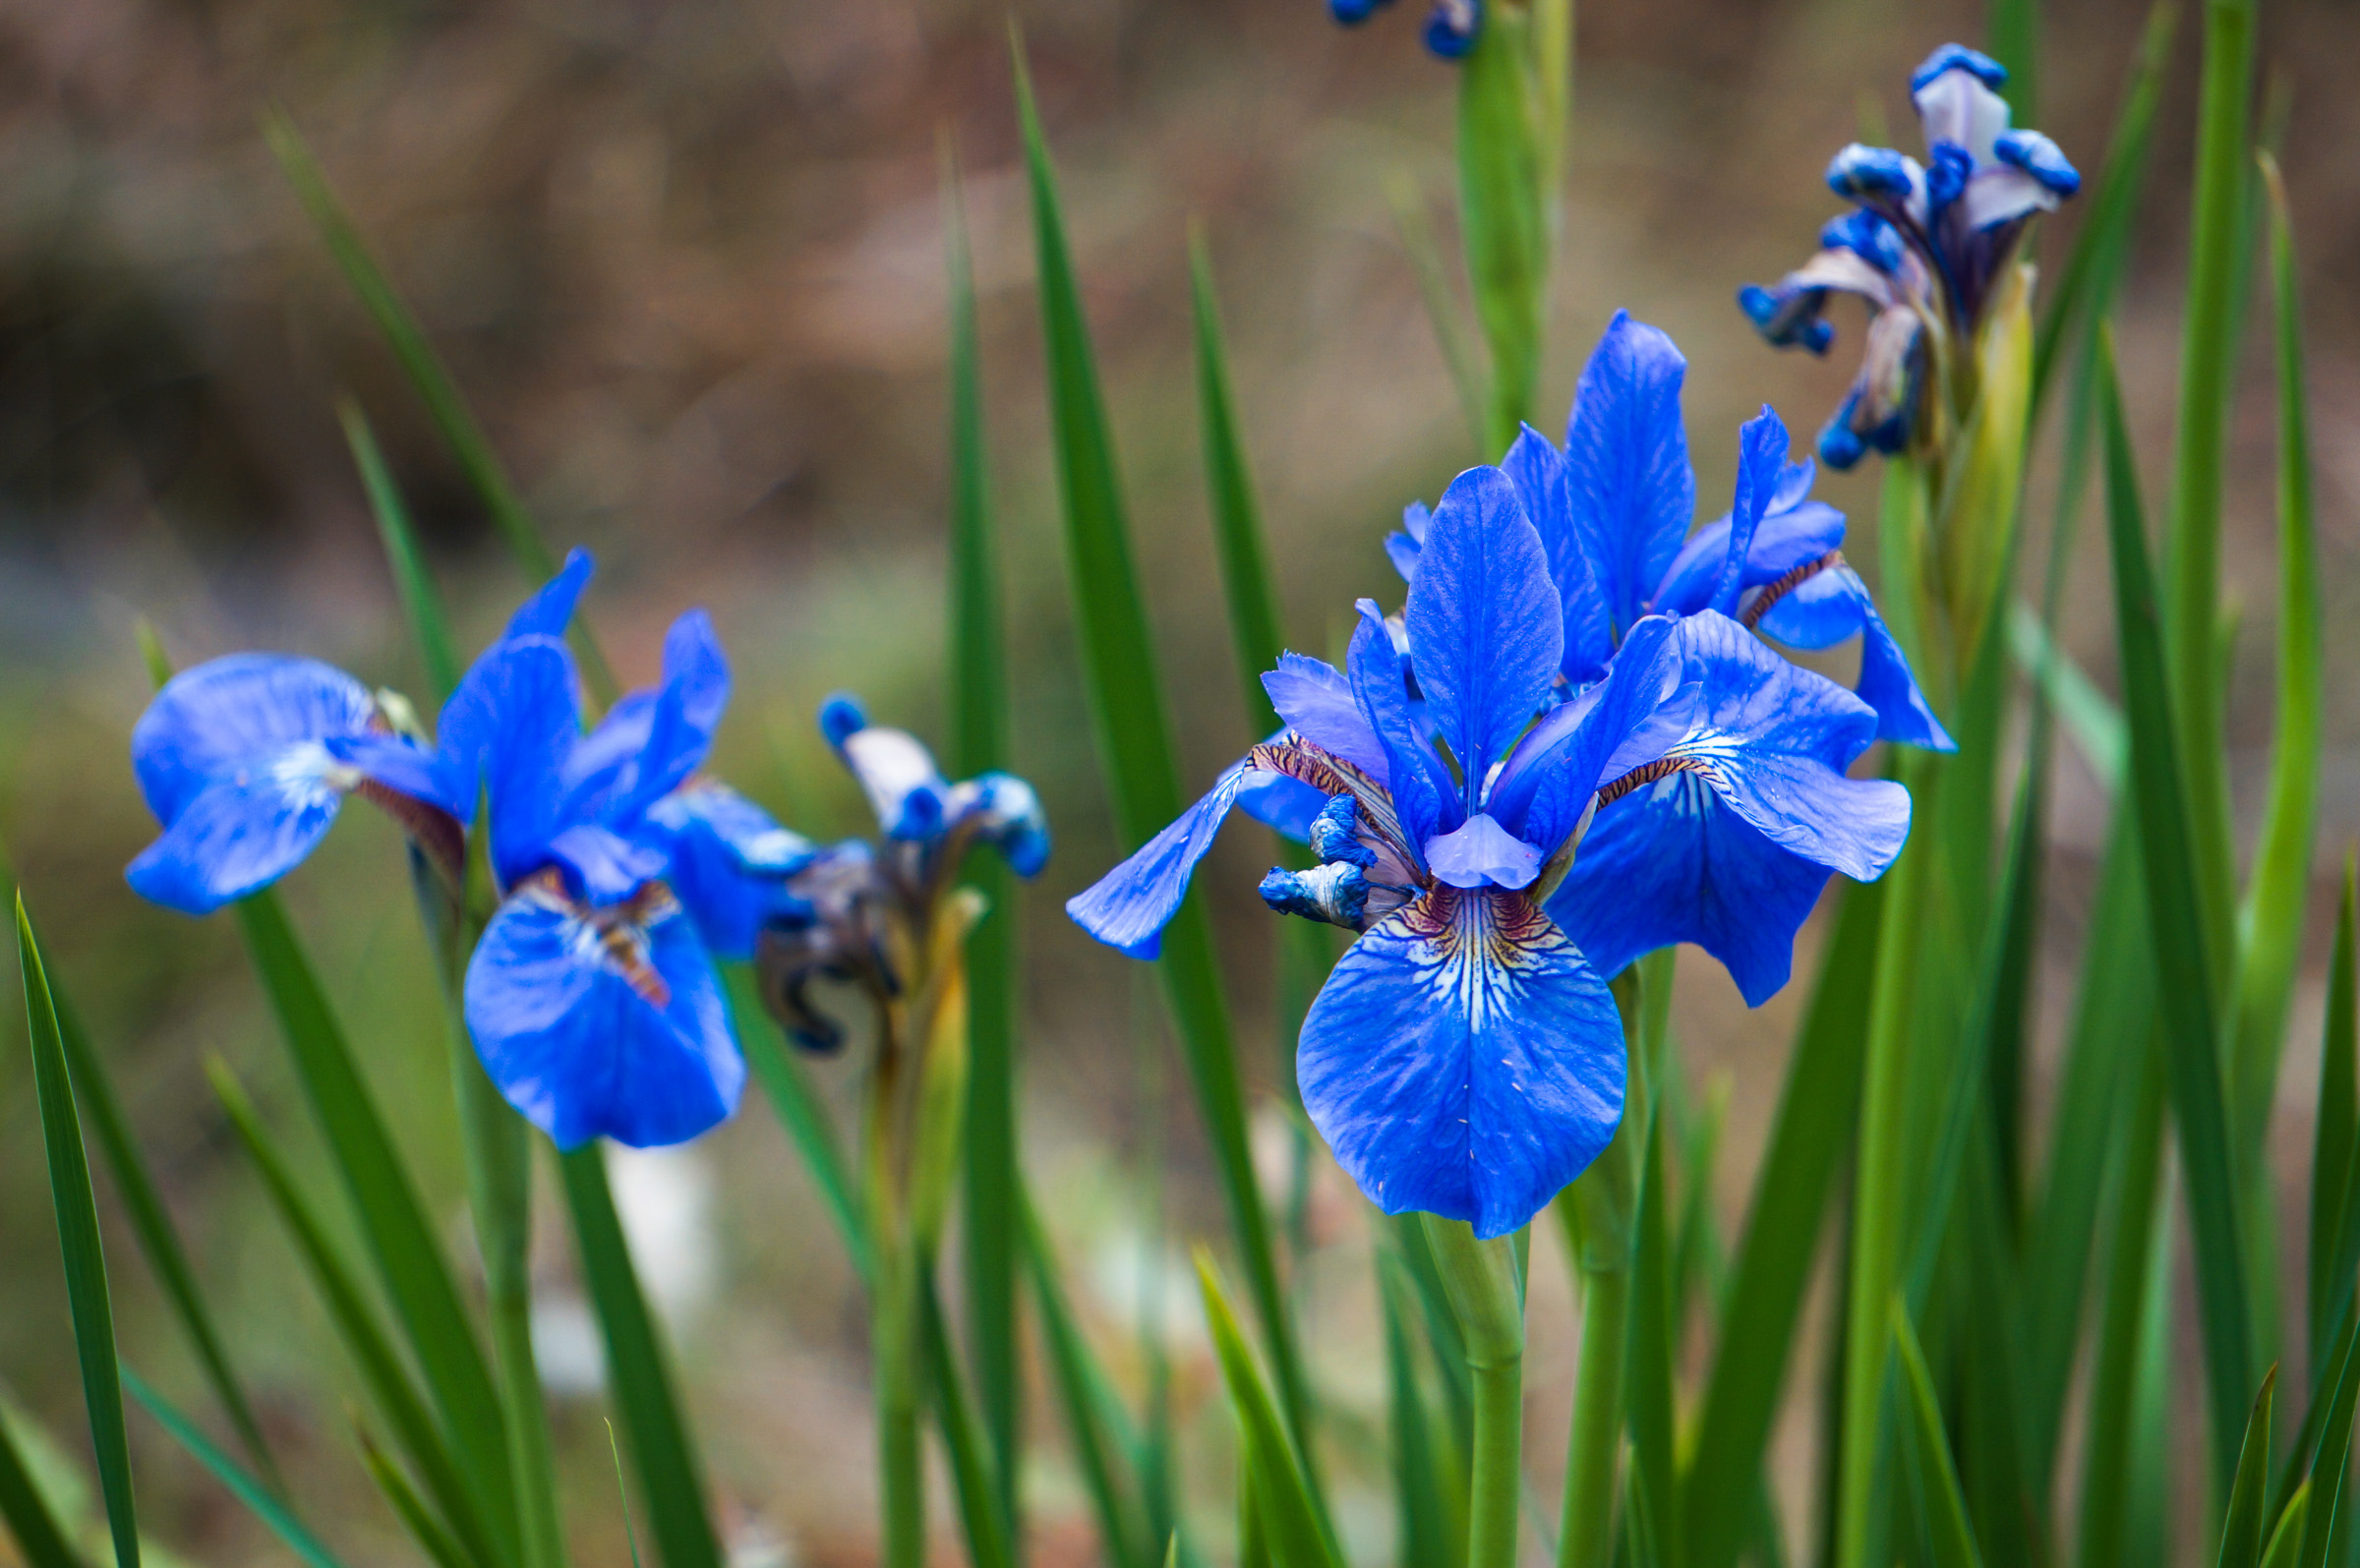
(1463, 1060)
(1315, 698)
(1774, 742)
(217, 719)
(1402, 548)
(602, 864)
(1484, 633)
(603, 1023)
(1829, 607)
(1671, 863)
(1538, 471)
(245, 832)
(1422, 789)
(1540, 795)
(548, 612)
(1480, 853)
(1786, 539)
(1761, 460)
(727, 860)
(509, 729)
(1956, 101)
(1129, 906)
(1626, 463)
(649, 742)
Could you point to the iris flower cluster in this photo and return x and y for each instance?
(1449, 30)
(1927, 249)
(1571, 673)
(622, 872)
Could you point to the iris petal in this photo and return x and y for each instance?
(1129, 906)
(1538, 471)
(1464, 1060)
(1830, 605)
(586, 1042)
(242, 833)
(210, 722)
(1315, 698)
(509, 729)
(1420, 785)
(1627, 457)
(728, 861)
(1480, 853)
(1485, 630)
(1762, 459)
(547, 612)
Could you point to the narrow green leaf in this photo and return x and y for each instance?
(2182, 961)
(2327, 1371)
(1937, 1478)
(245, 1487)
(1236, 515)
(356, 1323)
(2335, 1218)
(152, 1224)
(2270, 923)
(1417, 1493)
(2133, 1255)
(2089, 715)
(1652, 1415)
(77, 1210)
(2286, 1541)
(796, 1101)
(2012, 36)
(1089, 1410)
(1291, 1521)
(2241, 1531)
(38, 1538)
(410, 1508)
(1503, 216)
(2207, 376)
(1135, 742)
(2086, 288)
(408, 1258)
(973, 1481)
(1442, 305)
(980, 744)
(1816, 1114)
(420, 603)
(2331, 1465)
(636, 1372)
(485, 472)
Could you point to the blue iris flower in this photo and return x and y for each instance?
(833, 915)
(1925, 248)
(246, 760)
(1449, 30)
(1465, 1057)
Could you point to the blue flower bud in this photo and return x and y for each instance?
(2039, 158)
(1839, 448)
(842, 716)
(1353, 13)
(1947, 175)
(1337, 894)
(1859, 172)
(1452, 27)
(1866, 235)
(1335, 834)
(1957, 57)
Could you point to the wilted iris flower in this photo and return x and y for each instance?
(1928, 250)
(1450, 27)
(866, 913)
(1465, 1057)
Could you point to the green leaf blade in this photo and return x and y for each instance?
(77, 1209)
(280, 1519)
(2241, 1531)
(1937, 1476)
(1289, 1519)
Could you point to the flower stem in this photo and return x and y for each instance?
(1587, 1540)
(1498, 1464)
(901, 1467)
(1482, 1280)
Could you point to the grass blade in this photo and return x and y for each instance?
(1093, 1424)
(1503, 192)
(2331, 1465)
(2208, 374)
(1289, 1519)
(409, 1260)
(365, 1339)
(38, 1538)
(2286, 1541)
(2270, 924)
(77, 1209)
(485, 472)
(1418, 1507)
(980, 744)
(245, 1487)
(2241, 1532)
(1442, 305)
(420, 603)
(973, 1481)
(636, 1372)
(2085, 287)
(2335, 1218)
(1654, 1478)
(1135, 742)
(151, 1223)
(2182, 961)
(1816, 1114)
(1943, 1504)
(424, 1528)
(2133, 1257)
(1236, 515)
(2012, 36)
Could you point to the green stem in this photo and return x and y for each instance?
(1587, 1540)
(1498, 1464)
(1483, 1282)
(901, 1468)
(1877, 1199)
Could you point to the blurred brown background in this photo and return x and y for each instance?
(685, 260)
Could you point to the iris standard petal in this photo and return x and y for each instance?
(1956, 104)
(1786, 539)
(210, 722)
(897, 773)
(1315, 698)
(1626, 463)
(1484, 635)
(650, 742)
(243, 833)
(1671, 863)
(1423, 792)
(1463, 1060)
(1128, 907)
(1761, 460)
(603, 1025)
(1547, 785)
(547, 612)
(1402, 548)
(509, 729)
(1538, 471)
(1831, 606)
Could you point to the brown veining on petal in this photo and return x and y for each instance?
(1661, 767)
(1379, 828)
(1780, 587)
